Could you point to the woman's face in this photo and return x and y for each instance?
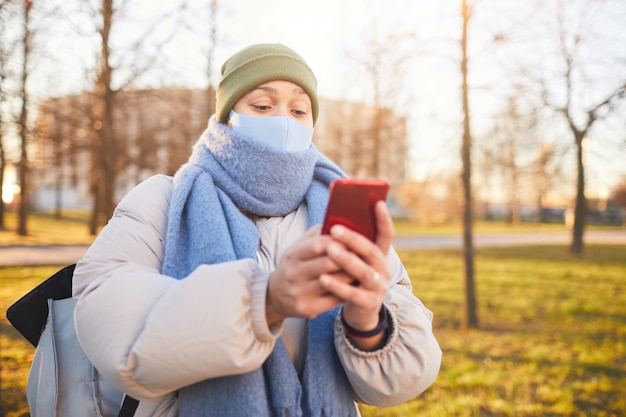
(277, 98)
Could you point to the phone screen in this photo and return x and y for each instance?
(351, 203)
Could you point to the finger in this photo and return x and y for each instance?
(352, 240)
(375, 279)
(313, 300)
(311, 269)
(384, 227)
(362, 248)
(297, 296)
(369, 276)
(339, 287)
(311, 245)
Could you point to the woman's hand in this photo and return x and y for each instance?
(320, 272)
(294, 288)
(362, 280)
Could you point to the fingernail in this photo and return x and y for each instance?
(338, 230)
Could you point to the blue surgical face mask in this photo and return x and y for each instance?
(280, 132)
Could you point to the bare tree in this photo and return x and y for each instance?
(619, 194)
(387, 57)
(436, 200)
(546, 171)
(22, 56)
(373, 137)
(108, 150)
(210, 90)
(60, 133)
(344, 133)
(584, 98)
(516, 147)
(104, 145)
(206, 12)
(4, 55)
(507, 133)
(470, 316)
(24, 131)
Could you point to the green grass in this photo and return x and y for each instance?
(552, 337)
(45, 229)
(408, 228)
(16, 353)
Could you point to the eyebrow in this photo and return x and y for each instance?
(269, 89)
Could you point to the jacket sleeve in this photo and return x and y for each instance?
(410, 360)
(150, 334)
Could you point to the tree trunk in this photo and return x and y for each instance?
(58, 176)
(2, 167)
(210, 91)
(109, 155)
(22, 228)
(95, 211)
(580, 210)
(470, 318)
(105, 146)
(377, 133)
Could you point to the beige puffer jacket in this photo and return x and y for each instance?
(150, 334)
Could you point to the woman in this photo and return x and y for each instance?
(214, 293)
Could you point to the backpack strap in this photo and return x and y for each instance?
(29, 314)
(129, 406)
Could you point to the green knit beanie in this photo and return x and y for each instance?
(259, 64)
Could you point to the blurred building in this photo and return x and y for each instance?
(156, 130)
(365, 141)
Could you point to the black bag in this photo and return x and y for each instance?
(31, 316)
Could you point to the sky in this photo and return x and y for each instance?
(330, 33)
(332, 36)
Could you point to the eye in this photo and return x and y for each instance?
(262, 107)
(298, 112)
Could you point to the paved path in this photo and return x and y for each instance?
(41, 255)
(509, 239)
(60, 255)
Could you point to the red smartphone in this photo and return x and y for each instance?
(351, 203)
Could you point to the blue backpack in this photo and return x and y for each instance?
(62, 380)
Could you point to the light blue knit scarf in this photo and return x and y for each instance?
(227, 174)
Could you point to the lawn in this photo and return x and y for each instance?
(552, 337)
(71, 228)
(45, 229)
(15, 352)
